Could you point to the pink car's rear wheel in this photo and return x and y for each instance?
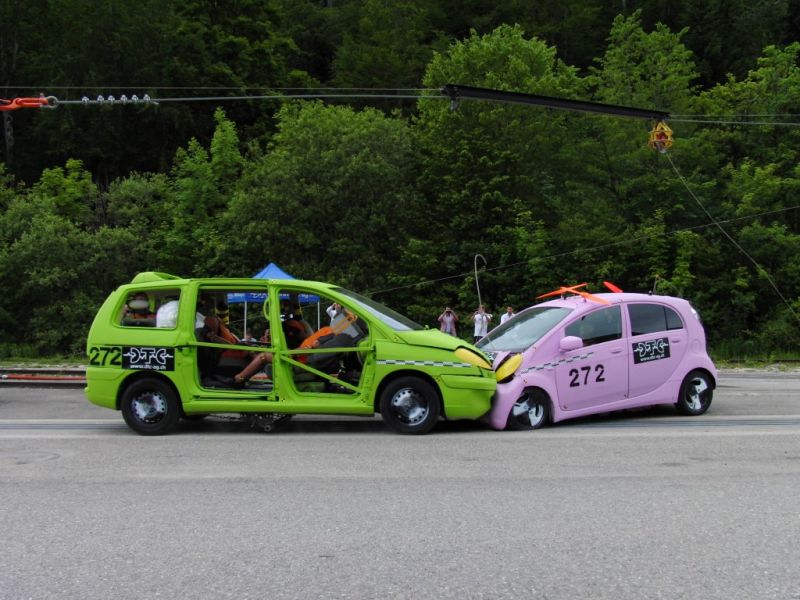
(696, 392)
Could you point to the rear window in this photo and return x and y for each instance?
(652, 318)
(150, 308)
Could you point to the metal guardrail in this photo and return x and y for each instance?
(43, 376)
(738, 361)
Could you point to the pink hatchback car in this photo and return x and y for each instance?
(588, 354)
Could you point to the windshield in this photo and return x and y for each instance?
(524, 330)
(391, 318)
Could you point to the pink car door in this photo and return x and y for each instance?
(658, 343)
(597, 373)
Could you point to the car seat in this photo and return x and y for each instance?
(211, 374)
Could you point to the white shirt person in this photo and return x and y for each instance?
(481, 319)
(507, 315)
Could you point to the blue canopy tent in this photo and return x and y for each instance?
(271, 271)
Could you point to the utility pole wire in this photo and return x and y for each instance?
(759, 268)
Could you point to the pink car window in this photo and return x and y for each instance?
(597, 327)
(673, 319)
(652, 318)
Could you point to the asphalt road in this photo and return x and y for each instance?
(641, 504)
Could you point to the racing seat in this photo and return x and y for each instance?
(326, 362)
(344, 364)
(211, 373)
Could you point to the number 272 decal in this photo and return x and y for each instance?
(579, 377)
(100, 356)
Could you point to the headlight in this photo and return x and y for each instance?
(507, 369)
(468, 356)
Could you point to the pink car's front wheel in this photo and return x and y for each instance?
(530, 411)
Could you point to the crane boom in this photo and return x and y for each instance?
(457, 92)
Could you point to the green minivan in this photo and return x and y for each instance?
(162, 349)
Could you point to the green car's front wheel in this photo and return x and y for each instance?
(410, 405)
(150, 407)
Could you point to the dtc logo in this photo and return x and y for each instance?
(650, 350)
(150, 358)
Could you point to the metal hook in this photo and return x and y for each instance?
(450, 91)
(478, 287)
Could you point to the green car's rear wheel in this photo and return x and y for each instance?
(150, 407)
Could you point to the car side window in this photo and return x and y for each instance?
(233, 315)
(324, 333)
(652, 318)
(674, 320)
(146, 308)
(307, 317)
(597, 327)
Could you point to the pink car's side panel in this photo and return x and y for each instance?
(630, 378)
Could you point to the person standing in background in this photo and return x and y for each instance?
(448, 322)
(507, 315)
(481, 319)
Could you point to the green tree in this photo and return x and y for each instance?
(729, 35)
(332, 199)
(8, 188)
(487, 165)
(81, 48)
(750, 173)
(137, 207)
(384, 45)
(71, 191)
(200, 187)
(629, 199)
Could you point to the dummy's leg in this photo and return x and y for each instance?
(258, 362)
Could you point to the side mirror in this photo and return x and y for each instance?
(571, 342)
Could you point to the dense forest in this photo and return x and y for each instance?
(380, 183)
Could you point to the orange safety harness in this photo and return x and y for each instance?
(338, 327)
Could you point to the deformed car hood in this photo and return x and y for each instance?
(432, 338)
(497, 356)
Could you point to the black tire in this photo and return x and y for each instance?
(150, 407)
(695, 395)
(410, 405)
(530, 411)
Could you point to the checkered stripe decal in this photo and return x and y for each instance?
(424, 363)
(552, 365)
